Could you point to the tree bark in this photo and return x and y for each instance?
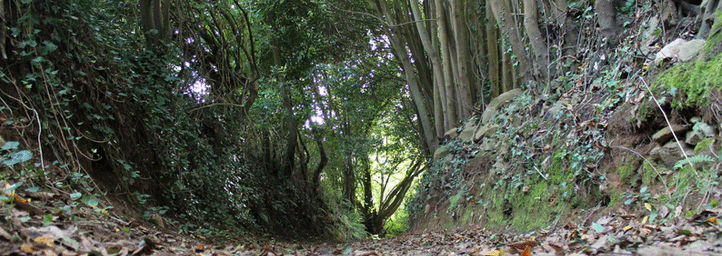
(431, 49)
(708, 16)
(493, 50)
(154, 15)
(607, 19)
(503, 15)
(450, 117)
(463, 60)
(291, 139)
(539, 46)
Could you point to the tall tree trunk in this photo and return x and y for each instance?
(502, 14)
(539, 46)
(431, 49)
(291, 140)
(463, 60)
(507, 79)
(154, 15)
(493, 50)
(421, 102)
(349, 176)
(450, 115)
(607, 19)
(316, 179)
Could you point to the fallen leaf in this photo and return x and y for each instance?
(27, 248)
(526, 252)
(47, 240)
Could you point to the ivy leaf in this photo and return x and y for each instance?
(47, 219)
(18, 157)
(90, 200)
(12, 188)
(10, 145)
(75, 196)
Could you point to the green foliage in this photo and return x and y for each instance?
(113, 109)
(694, 80)
(11, 156)
(397, 224)
(694, 160)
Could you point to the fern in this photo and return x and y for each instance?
(694, 160)
(703, 145)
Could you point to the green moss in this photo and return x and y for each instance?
(693, 79)
(650, 175)
(627, 173)
(532, 209)
(615, 197)
(643, 113)
(557, 170)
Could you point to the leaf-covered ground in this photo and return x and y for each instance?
(55, 223)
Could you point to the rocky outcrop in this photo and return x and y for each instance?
(497, 103)
(669, 151)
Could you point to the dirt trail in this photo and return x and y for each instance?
(42, 223)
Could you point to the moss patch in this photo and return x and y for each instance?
(694, 80)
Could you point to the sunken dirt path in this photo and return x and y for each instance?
(30, 228)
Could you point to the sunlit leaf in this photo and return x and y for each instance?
(10, 190)
(76, 195)
(90, 200)
(597, 227)
(684, 232)
(47, 219)
(10, 145)
(45, 240)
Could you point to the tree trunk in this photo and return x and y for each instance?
(450, 115)
(503, 15)
(432, 51)
(463, 60)
(493, 50)
(291, 140)
(154, 15)
(420, 101)
(506, 73)
(539, 46)
(708, 16)
(606, 17)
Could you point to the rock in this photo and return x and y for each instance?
(441, 152)
(693, 137)
(706, 129)
(688, 51)
(554, 111)
(653, 24)
(451, 134)
(665, 134)
(488, 144)
(469, 128)
(670, 50)
(679, 48)
(669, 154)
(496, 103)
(485, 131)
